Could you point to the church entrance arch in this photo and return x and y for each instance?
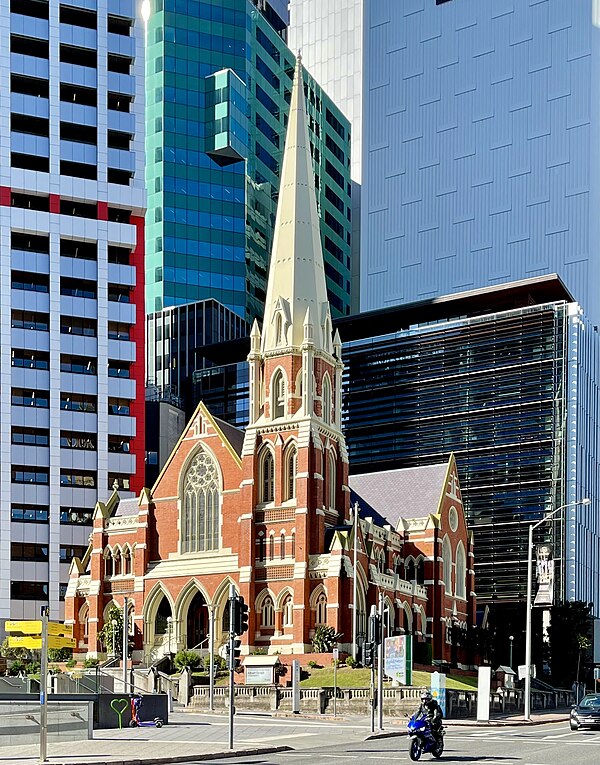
(197, 622)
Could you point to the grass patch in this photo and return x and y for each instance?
(361, 678)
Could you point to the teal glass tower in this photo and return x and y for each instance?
(219, 78)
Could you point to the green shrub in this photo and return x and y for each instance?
(313, 664)
(33, 667)
(89, 663)
(16, 667)
(59, 654)
(186, 659)
(351, 662)
(70, 663)
(219, 663)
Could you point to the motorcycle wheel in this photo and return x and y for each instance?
(438, 749)
(415, 750)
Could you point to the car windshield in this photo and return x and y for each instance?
(590, 701)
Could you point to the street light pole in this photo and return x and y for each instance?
(510, 650)
(533, 526)
(355, 585)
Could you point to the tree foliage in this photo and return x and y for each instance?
(570, 634)
(187, 659)
(325, 638)
(105, 636)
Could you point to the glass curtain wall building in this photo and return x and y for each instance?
(478, 125)
(72, 204)
(219, 79)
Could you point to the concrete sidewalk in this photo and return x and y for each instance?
(188, 737)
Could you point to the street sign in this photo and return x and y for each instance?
(57, 641)
(34, 642)
(34, 627)
(57, 629)
(25, 641)
(28, 628)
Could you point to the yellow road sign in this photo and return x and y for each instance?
(25, 641)
(34, 627)
(28, 627)
(55, 641)
(56, 628)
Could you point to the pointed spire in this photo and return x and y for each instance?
(255, 338)
(297, 274)
(337, 345)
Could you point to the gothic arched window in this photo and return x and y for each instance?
(268, 613)
(461, 572)
(447, 564)
(321, 610)
(288, 611)
(272, 547)
(291, 465)
(293, 544)
(278, 395)
(326, 400)
(282, 545)
(268, 476)
(200, 524)
(331, 480)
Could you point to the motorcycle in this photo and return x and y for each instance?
(422, 738)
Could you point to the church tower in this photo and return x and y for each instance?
(294, 455)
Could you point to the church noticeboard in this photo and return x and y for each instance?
(259, 675)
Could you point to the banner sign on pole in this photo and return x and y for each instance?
(397, 658)
(438, 689)
(484, 681)
(545, 576)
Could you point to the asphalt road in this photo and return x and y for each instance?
(552, 744)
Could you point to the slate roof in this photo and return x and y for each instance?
(234, 435)
(126, 507)
(390, 495)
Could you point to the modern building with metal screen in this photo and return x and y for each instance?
(219, 77)
(508, 394)
(72, 204)
(175, 340)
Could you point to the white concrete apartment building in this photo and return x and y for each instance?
(72, 202)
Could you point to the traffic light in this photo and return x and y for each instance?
(234, 662)
(368, 654)
(240, 616)
(374, 629)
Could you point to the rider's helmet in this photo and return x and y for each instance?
(426, 697)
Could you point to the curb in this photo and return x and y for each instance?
(229, 753)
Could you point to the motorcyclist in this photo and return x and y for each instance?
(432, 711)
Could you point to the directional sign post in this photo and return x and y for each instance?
(40, 635)
(44, 688)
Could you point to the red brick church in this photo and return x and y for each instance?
(269, 509)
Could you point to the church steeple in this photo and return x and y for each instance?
(297, 274)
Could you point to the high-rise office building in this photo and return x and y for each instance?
(330, 36)
(479, 151)
(72, 203)
(219, 77)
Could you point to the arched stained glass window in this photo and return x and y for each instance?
(268, 476)
(291, 467)
(200, 524)
(326, 400)
(278, 394)
(321, 611)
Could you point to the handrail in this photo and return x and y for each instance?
(129, 683)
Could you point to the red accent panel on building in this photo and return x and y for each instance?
(54, 203)
(5, 196)
(138, 373)
(103, 211)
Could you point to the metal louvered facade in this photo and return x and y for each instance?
(504, 393)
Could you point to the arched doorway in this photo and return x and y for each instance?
(197, 622)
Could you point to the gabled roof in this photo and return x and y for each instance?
(407, 493)
(234, 435)
(231, 438)
(127, 507)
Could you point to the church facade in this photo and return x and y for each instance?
(268, 509)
